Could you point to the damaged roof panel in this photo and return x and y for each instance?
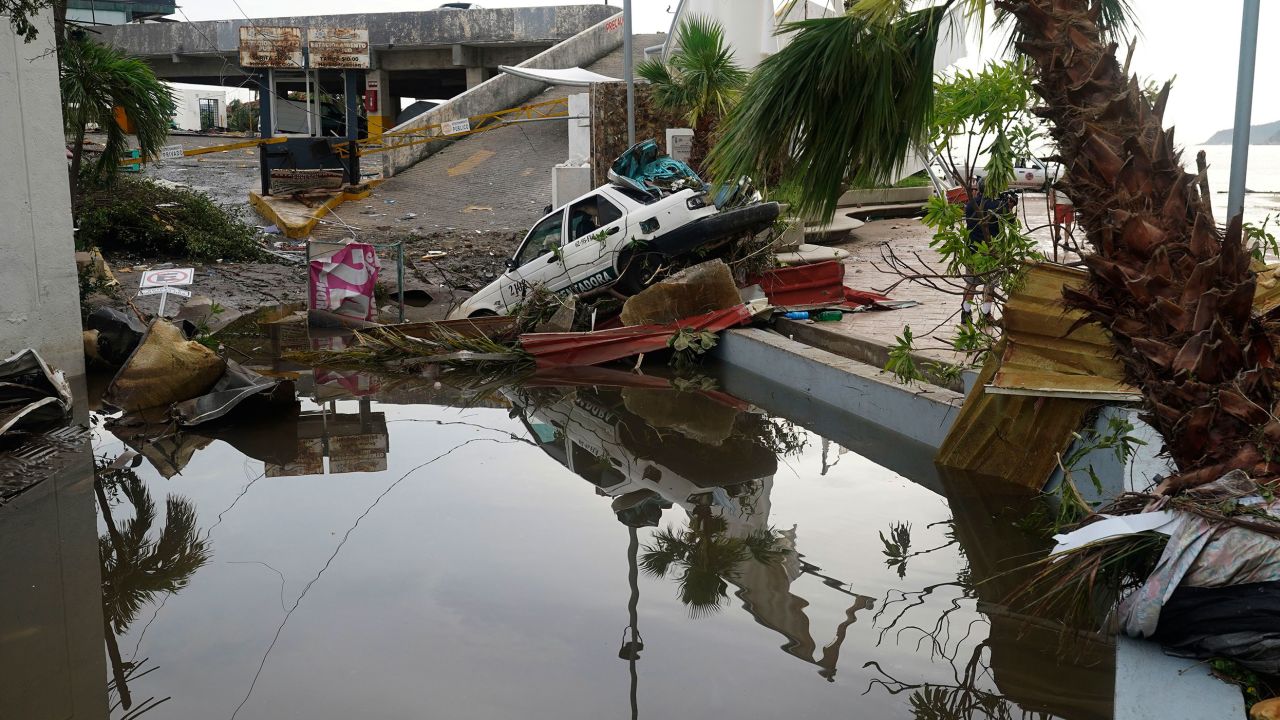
(1044, 356)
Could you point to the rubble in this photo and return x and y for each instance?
(696, 290)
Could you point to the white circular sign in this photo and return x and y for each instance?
(168, 276)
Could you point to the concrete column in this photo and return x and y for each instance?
(40, 295)
(476, 75)
(383, 116)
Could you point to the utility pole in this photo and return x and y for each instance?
(1244, 109)
(629, 71)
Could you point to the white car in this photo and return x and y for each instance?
(613, 238)
(1029, 173)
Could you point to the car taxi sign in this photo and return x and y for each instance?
(168, 276)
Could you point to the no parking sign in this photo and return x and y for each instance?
(164, 283)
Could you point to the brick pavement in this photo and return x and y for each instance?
(933, 322)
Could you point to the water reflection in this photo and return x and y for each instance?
(140, 565)
(491, 584)
(652, 448)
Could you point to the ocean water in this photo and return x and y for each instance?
(1262, 181)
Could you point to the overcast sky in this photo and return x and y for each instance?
(1194, 40)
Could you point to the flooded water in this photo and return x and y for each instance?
(618, 548)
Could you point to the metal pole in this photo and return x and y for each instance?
(400, 275)
(1244, 109)
(629, 72)
(164, 295)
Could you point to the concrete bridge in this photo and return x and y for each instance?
(428, 54)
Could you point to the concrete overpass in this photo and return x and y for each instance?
(428, 54)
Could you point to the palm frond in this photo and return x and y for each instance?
(95, 80)
(700, 79)
(843, 102)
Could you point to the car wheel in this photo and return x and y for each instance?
(635, 269)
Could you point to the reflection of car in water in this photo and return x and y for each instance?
(703, 453)
(650, 449)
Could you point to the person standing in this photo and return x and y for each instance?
(982, 217)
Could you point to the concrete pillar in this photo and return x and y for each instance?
(476, 75)
(383, 115)
(40, 295)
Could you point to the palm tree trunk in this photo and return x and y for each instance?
(1174, 291)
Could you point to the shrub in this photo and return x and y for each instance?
(141, 216)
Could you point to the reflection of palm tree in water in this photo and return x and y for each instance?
(707, 558)
(135, 569)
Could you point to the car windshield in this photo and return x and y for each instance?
(544, 236)
(590, 214)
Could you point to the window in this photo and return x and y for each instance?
(590, 214)
(544, 236)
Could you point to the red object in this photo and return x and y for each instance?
(371, 100)
(574, 349)
(810, 286)
(1064, 215)
(957, 196)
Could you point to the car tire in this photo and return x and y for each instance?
(635, 267)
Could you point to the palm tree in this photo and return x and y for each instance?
(96, 80)
(849, 95)
(707, 558)
(700, 80)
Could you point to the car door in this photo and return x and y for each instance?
(596, 231)
(536, 262)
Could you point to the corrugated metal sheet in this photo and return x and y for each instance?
(1043, 356)
(1016, 438)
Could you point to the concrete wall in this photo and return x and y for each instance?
(52, 657)
(186, 114)
(399, 29)
(40, 294)
(507, 91)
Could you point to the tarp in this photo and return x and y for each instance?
(574, 76)
(645, 168)
(592, 348)
(164, 369)
(241, 389)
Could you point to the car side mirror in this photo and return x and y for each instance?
(510, 263)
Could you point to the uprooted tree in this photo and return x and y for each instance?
(1175, 291)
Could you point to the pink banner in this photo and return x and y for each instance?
(343, 281)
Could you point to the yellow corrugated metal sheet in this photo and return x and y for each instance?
(1016, 438)
(1043, 356)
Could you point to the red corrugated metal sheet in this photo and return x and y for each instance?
(808, 286)
(592, 348)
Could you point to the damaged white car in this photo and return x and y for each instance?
(614, 238)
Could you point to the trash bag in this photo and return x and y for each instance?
(241, 390)
(32, 397)
(164, 369)
(118, 334)
(1241, 622)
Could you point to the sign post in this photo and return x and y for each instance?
(164, 282)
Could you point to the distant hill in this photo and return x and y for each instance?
(1268, 134)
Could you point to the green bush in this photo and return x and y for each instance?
(140, 216)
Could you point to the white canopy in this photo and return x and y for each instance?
(574, 76)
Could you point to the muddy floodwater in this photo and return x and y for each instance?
(552, 551)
